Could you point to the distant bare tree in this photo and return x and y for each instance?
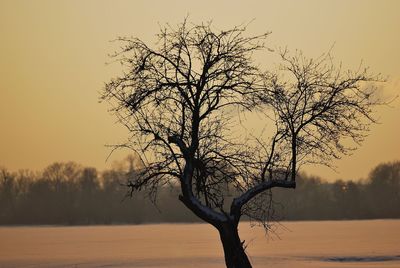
(182, 102)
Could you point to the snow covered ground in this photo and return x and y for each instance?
(342, 244)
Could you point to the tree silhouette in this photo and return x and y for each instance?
(183, 103)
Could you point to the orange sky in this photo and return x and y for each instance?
(53, 54)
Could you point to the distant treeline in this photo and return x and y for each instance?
(67, 193)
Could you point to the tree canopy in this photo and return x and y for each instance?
(182, 101)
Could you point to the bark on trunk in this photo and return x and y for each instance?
(235, 256)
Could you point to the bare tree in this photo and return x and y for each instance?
(183, 100)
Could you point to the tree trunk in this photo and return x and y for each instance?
(235, 256)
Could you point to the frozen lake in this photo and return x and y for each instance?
(371, 243)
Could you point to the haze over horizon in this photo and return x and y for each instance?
(53, 56)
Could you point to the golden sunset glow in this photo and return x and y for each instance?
(53, 57)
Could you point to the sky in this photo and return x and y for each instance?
(53, 57)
